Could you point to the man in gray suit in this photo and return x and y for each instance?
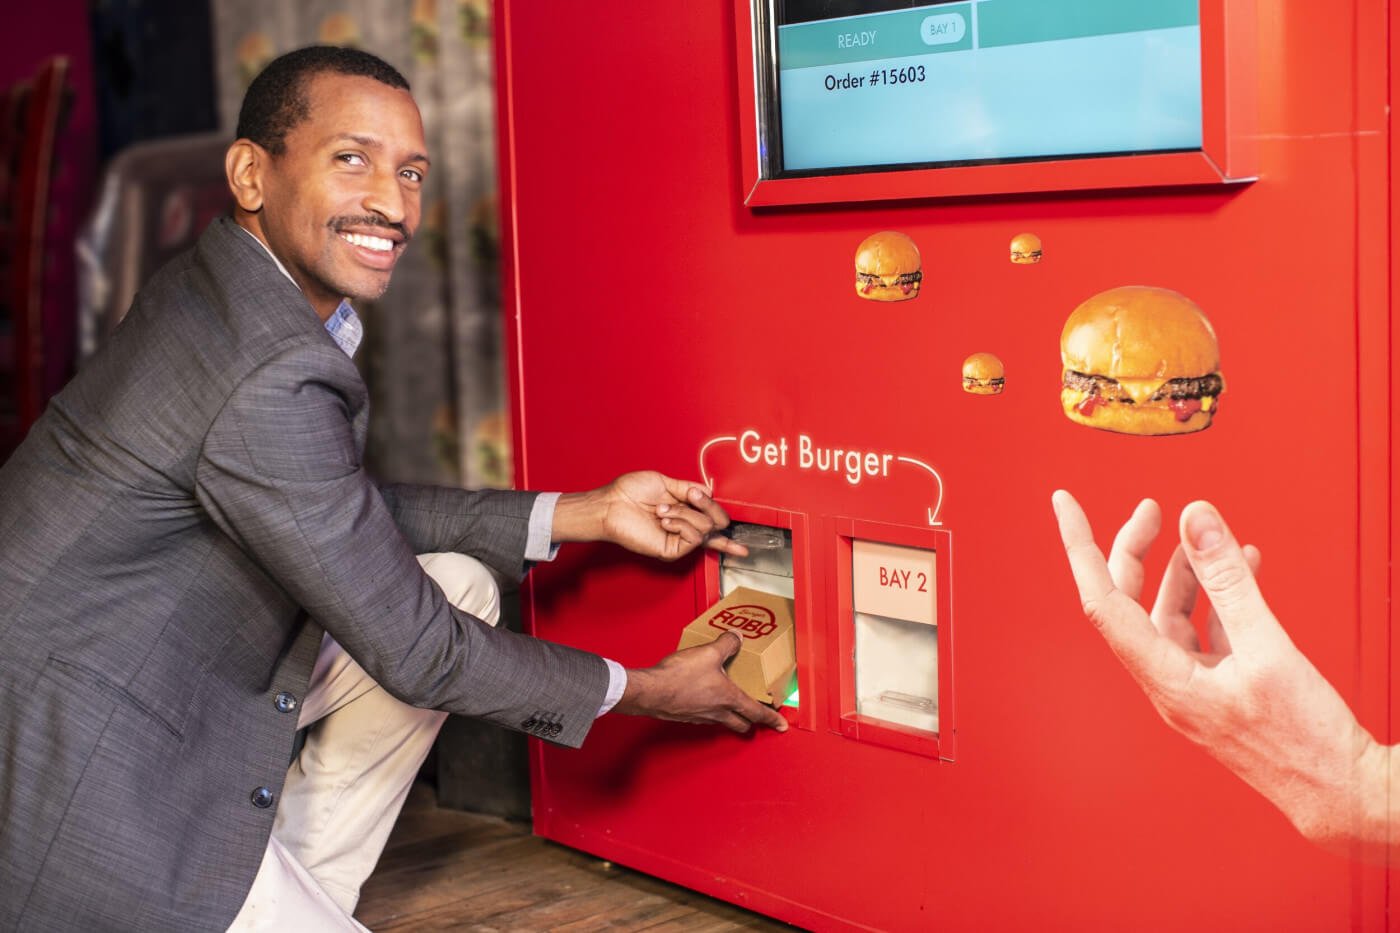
(192, 558)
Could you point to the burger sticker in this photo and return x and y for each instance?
(1025, 249)
(888, 267)
(340, 29)
(1140, 360)
(254, 52)
(983, 374)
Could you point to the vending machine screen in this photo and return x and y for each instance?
(883, 84)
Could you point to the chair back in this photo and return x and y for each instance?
(29, 119)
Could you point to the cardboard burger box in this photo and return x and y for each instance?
(766, 666)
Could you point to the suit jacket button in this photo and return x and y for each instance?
(529, 724)
(262, 798)
(285, 702)
(555, 728)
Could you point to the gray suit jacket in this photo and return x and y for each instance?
(175, 534)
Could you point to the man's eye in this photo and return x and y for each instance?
(413, 175)
(352, 158)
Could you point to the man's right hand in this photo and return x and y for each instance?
(691, 686)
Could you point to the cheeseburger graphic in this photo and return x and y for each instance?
(339, 29)
(1140, 360)
(888, 267)
(474, 19)
(491, 447)
(254, 52)
(423, 33)
(1025, 249)
(983, 374)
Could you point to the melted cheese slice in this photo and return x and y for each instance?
(1141, 390)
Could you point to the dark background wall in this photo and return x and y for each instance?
(34, 33)
(139, 70)
(154, 70)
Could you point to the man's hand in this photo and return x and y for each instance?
(691, 686)
(648, 513)
(1249, 697)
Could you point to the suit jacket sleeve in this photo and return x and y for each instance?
(488, 524)
(280, 472)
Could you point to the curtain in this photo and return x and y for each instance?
(432, 350)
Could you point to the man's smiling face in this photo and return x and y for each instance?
(340, 203)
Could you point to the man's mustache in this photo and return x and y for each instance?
(341, 224)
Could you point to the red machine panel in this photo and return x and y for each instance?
(1014, 777)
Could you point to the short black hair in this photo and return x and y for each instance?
(276, 100)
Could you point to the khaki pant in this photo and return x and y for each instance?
(344, 791)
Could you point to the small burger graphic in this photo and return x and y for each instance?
(340, 29)
(491, 449)
(888, 267)
(423, 33)
(983, 374)
(1025, 249)
(1140, 360)
(254, 51)
(474, 19)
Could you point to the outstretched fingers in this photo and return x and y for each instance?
(1176, 600)
(1226, 576)
(1123, 623)
(1130, 547)
(1219, 640)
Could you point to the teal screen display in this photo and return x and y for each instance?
(897, 83)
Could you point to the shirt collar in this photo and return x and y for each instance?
(343, 325)
(345, 328)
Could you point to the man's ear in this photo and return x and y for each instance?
(244, 164)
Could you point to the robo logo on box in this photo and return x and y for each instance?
(745, 621)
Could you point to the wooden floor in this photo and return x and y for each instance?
(450, 870)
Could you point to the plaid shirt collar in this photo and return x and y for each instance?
(343, 325)
(345, 328)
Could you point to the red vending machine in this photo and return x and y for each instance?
(831, 258)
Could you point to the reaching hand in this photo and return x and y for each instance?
(648, 513)
(1249, 697)
(691, 686)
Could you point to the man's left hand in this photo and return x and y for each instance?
(690, 686)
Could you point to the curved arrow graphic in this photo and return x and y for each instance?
(709, 483)
(938, 503)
